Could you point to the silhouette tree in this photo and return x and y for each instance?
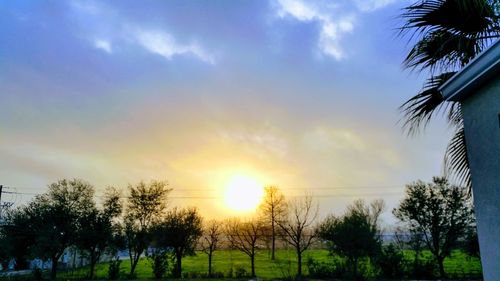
(297, 226)
(441, 212)
(354, 235)
(54, 216)
(244, 236)
(211, 240)
(273, 208)
(181, 228)
(146, 206)
(95, 228)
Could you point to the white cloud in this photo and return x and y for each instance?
(104, 45)
(331, 30)
(335, 20)
(163, 44)
(372, 5)
(101, 21)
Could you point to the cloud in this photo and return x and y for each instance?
(104, 45)
(98, 20)
(372, 5)
(165, 45)
(332, 28)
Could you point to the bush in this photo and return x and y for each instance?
(159, 264)
(240, 272)
(391, 263)
(424, 269)
(37, 274)
(323, 270)
(114, 268)
(215, 275)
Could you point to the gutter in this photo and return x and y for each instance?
(482, 68)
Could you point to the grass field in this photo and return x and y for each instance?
(458, 266)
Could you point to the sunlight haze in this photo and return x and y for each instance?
(218, 98)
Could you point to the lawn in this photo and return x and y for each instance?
(458, 266)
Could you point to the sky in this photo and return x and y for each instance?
(299, 94)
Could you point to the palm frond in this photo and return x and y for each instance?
(451, 32)
(460, 16)
(442, 49)
(456, 161)
(419, 109)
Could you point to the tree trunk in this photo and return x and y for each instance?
(210, 264)
(299, 264)
(178, 267)
(252, 258)
(441, 266)
(53, 271)
(93, 261)
(273, 239)
(133, 264)
(355, 264)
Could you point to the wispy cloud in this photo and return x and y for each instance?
(334, 20)
(372, 5)
(165, 45)
(100, 21)
(104, 45)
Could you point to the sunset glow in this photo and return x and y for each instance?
(243, 194)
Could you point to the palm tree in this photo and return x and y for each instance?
(449, 34)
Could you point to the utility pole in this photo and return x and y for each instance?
(1, 188)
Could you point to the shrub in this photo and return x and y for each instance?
(240, 272)
(424, 269)
(325, 270)
(391, 263)
(159, 264)
(37, 274)
(114, 269)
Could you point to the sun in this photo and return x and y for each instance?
(243, 194)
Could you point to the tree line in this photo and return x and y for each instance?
(436, 216)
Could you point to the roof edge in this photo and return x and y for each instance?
(480, 69)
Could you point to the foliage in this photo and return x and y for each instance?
(355, 235)
(54, 216)
(146, 205)
(471, 243)
(392, 262)
(114, 268)
(450, 33)
(159, 262)
(179, 231)
(297, 227)
(326, 270)
(95, 231)
(37, 274)
(273, 208)
(16, 238)
(440, 212)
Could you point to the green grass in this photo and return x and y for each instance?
(458, 266)
(223, 261)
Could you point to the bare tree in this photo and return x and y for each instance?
(297, 227)
(146, 205)
(244, 236)
(273, 208)
(211, 240)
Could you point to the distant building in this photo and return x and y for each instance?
(477, 88)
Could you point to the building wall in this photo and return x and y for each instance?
(481, 112)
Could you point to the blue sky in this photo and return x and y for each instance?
(300, 94)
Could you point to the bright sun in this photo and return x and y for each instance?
(243, 194)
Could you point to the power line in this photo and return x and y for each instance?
(220, 197)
